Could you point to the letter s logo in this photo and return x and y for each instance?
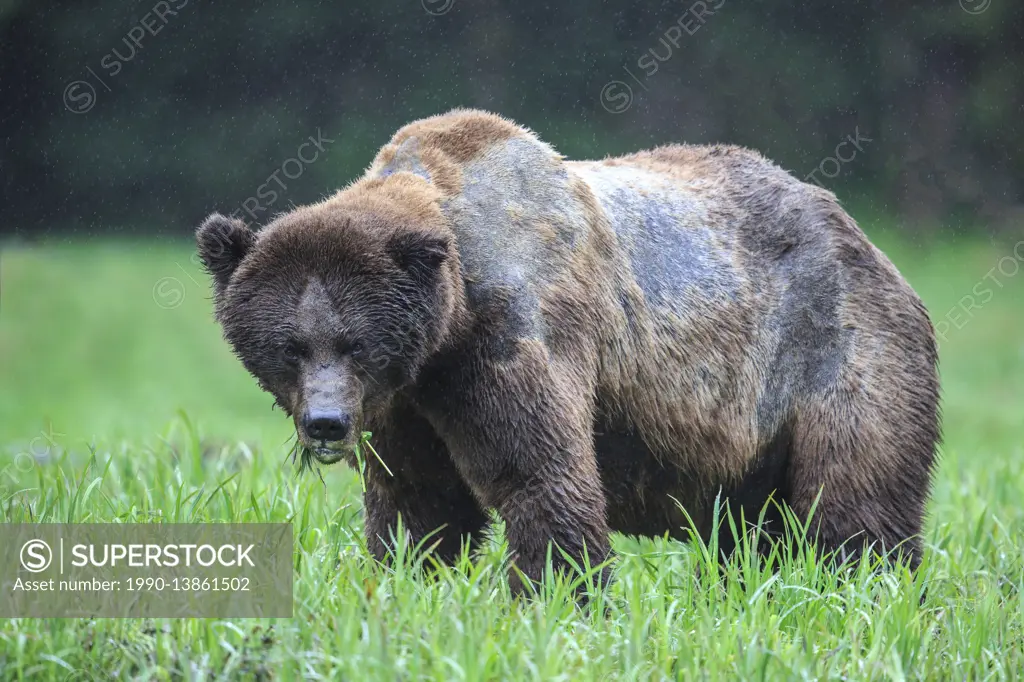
(79, 97)
(36, 556)
(616, 97)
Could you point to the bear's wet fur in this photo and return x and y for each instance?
(578, 344)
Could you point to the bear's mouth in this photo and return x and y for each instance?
(306, 456)
(328, 454)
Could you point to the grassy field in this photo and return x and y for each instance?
(114, 378)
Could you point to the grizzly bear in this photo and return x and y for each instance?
(587, 346)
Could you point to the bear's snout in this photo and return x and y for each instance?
(328, 409)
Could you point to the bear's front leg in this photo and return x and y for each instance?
(563, 506)
(520, 431)
(425, 490)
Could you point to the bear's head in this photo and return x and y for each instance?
(333, 310)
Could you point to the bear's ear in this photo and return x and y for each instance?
(419, 253)
(223, 243)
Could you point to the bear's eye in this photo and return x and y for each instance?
(350, 347)
(291, 352)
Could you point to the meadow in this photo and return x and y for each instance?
(115, 381)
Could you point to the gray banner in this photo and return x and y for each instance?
(109, 570)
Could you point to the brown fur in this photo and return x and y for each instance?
(576, 343)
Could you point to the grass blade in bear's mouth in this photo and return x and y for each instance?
(303, 456)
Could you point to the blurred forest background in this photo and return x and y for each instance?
(144, 116)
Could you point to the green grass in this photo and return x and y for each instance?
(93, 371)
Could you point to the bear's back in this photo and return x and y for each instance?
(668, 232)
(713, 237)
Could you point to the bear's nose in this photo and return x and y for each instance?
(329, 425)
